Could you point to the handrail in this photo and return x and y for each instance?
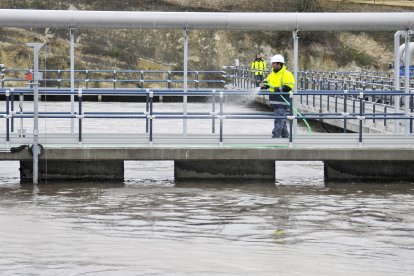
(359, 113)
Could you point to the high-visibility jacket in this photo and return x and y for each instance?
(258, 67)
(278, 80)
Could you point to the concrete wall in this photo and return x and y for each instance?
(225, 169)
(96, 170)
(365, 171)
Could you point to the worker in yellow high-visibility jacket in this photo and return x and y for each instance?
(258, 69)
(279, 80)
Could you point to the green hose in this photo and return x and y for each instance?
(297, 111)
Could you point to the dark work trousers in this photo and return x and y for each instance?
(258, 79)
(280, 128)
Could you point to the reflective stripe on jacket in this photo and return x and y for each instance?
(278, 80)
(258, 67)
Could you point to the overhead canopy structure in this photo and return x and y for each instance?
(207, 20)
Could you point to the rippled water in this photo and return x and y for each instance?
(150, 225)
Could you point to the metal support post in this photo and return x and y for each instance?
(407, 82)
(22, 131)
(221, 118)
(36, 48)
(295, 75)
(185, 81)
(151, 116)
(12, 109)
(411, 111)
(345, 108)
(3, 75)
(80, 115)
(7, 117)
(87, 79)
(114, 79)
(213, 110)
(72, 79)
(291, 121)
(361, 98)
(169, 80)
(146, 110)
(397, 77)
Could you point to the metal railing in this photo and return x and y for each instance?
(243, 78)
(116, 78)
(357, 114)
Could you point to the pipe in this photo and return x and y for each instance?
(397, 36)
(388, 21)
(401, 50)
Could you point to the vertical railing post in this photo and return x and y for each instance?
(327, 102)
(22, 132)
(59, 78)
(361, 98)
(7, 117)
(234, 76)
(146, 109)
(169, 80)
(114, 79)
(411, 113)
(213, 111)
(12, 109)
(87, 79)
(185, 81)
(345, 108)
(151, 116)
(221, 118)
(3, 75)
(292, 119)
(80, 116)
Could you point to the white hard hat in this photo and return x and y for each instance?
(277, 58)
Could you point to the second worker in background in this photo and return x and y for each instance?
(279, 80)
(258, 69)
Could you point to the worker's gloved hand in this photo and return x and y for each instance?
(264, 85)
(269, 85)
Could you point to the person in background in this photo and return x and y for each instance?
(258, 69)
(279, 80)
